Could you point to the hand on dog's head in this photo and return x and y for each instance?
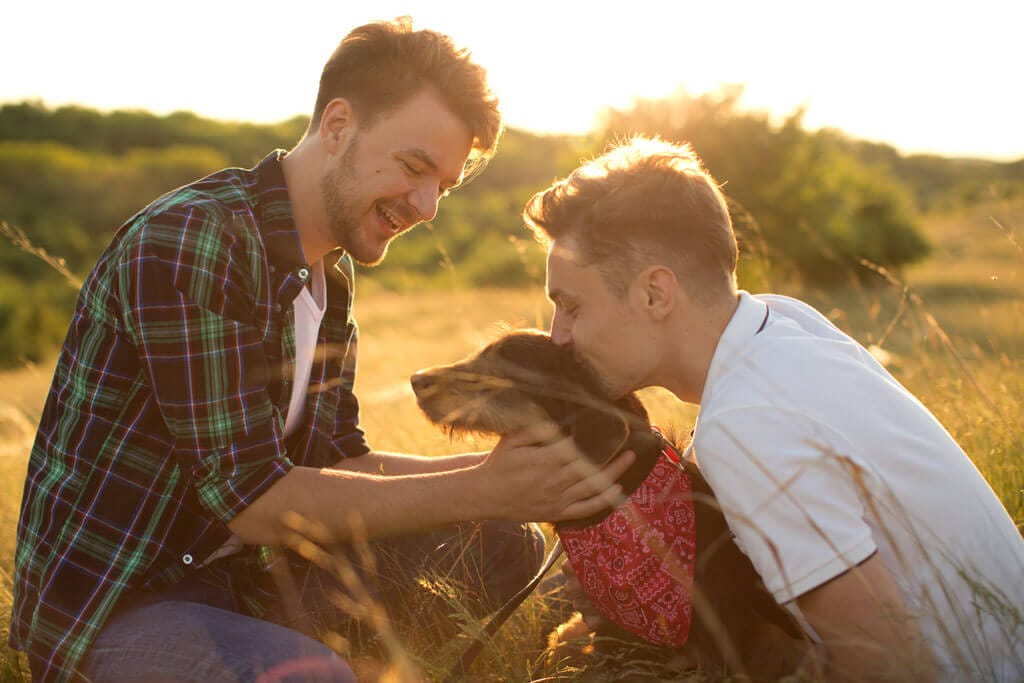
(522, 378)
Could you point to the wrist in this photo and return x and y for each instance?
(479, 490)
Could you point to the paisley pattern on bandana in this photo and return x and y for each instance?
(637, 565)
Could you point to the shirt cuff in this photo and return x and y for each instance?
(225, 495)
(793, 588)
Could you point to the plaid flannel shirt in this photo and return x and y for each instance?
(166, 414)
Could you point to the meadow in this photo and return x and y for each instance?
(950, 328)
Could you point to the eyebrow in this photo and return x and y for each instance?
(424, 158)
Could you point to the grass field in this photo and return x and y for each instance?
(951, 329)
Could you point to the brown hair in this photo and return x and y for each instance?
(379, 66)
(644, 201)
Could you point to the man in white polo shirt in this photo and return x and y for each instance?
(858, 509)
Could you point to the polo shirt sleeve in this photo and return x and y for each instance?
(188, 298)
(791, 495)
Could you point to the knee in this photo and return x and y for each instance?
(517, 555)
(176, 640)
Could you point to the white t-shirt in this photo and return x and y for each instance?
(820, 458)
(309, 313)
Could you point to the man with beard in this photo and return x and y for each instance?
(203, 401)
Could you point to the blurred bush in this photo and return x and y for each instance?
(810, 205)
(820, 208)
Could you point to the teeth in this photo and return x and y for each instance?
(391, 218)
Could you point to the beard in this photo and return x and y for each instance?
(342, 214)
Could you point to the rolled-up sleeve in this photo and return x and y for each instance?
(189, 306)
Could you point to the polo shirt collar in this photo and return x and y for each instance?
(746, 321)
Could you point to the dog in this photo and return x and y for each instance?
(522, 378)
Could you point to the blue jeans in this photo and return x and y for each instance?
(196, 630)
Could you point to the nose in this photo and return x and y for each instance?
(560, 330)
(424, 198)
(421, 381)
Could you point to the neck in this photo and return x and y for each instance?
(695, 336)
(302, 171)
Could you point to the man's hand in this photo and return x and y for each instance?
(538, 474)
(865, 628)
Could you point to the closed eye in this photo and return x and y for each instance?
(409, 168)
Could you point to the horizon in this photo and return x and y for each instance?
(507, 126)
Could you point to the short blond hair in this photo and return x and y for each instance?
(643, 201)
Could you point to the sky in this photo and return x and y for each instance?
(926, 77)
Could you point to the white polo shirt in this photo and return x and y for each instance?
(820, 458)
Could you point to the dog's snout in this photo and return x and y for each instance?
(421, 381)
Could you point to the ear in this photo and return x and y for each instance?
(337, 124)
(657, 289)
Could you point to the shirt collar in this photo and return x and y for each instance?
(274, 210)
(748, 319)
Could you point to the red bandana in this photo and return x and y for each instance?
(636, 565)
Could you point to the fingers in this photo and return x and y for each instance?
(600, 483)
(539, 473)
(608, 498)
(537, 434)
(618, 466)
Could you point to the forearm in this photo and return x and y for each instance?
(392, 464)
(343, 503)
(866, 630)
(534, 475)
(893, 656)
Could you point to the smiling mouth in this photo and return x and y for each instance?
(392, 219)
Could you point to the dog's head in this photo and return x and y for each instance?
(523, 378)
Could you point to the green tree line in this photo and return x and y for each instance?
(810, 205)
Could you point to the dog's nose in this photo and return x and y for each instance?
(420, 381)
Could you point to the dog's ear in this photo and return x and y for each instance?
(642, 439)
(632, 405)
(604, 431)
(600, 431)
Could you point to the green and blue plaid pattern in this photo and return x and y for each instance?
(166, 414)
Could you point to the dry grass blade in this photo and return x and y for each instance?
(914, 298)
(1008, 233)
(20, 240)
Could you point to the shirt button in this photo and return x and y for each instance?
(303, 273)
(187, 559)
